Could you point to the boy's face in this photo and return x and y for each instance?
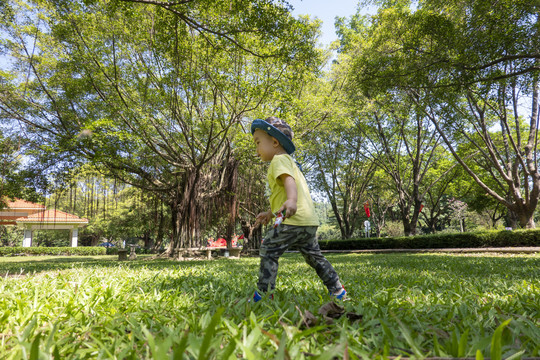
(267, 146)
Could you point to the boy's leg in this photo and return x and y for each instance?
(309, 247)
(272, 247)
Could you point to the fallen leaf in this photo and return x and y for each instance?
(328, 320)
(332, 310)
(354, 316)
(309, 320)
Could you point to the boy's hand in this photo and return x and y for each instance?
(289, 207)
(264, 218)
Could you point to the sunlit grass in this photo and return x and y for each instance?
(412, 305)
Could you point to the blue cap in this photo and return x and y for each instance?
(278, 129)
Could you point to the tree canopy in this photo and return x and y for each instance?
(472, 69)
(151, 93)
(425, 105)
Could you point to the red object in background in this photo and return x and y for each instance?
(421, 207)
(221, 242)
(366, 208)
(217, 243)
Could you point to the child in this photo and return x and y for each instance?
(289, 194)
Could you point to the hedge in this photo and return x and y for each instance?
(485, 239)
(83, 250)
(138, 251)
(436, 241)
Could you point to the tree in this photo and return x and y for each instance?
(329, 147)
(404, 146)
(152, 94)
(469, 66)
(342, 173)
(381, 199)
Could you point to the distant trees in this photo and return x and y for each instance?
(151, 94)
(116, 212)
(472, 68)
(423, 107)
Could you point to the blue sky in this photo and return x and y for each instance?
(326, 10)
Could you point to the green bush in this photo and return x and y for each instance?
(138, 251)
(111, 251)
(19, 250)
(438, 241)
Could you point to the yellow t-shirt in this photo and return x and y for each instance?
(305, 214)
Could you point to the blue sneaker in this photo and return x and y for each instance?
(256, 297)
(340, 295)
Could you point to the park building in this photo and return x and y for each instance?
(31, 217)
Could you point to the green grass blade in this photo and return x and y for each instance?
(479, 355)
(34, 350)
(496, 341)
(463, 343)
(210, 332)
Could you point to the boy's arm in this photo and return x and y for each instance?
(292, 195)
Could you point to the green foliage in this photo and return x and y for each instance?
(393, 229)
(36, 250)
(152, 94)
(412, 305)
(10, 236)
(138, 251)
(471, 69)
(48, 238)
(440, 241)
(15, 181)
(328, 232)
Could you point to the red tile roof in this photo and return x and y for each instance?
(56, 216)
(23, 204)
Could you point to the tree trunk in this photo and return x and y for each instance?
(232, 199)
(252, 236)
(185, 214)
(161, 228)
(148, 241)
(409, 225)
(526, 220)
(511, 219)
(341, 225)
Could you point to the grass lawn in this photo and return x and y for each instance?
(413, 305)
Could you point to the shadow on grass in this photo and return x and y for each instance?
(29, 265)
(406, 266)
(34, 265)
(443, 265)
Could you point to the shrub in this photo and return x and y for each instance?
(138, 251)
(393, 228)
(441, 240)
(36, 250)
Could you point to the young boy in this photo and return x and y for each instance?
(289, 194)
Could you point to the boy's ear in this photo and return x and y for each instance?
(275, 142)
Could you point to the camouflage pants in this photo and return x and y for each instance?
(278, 240)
